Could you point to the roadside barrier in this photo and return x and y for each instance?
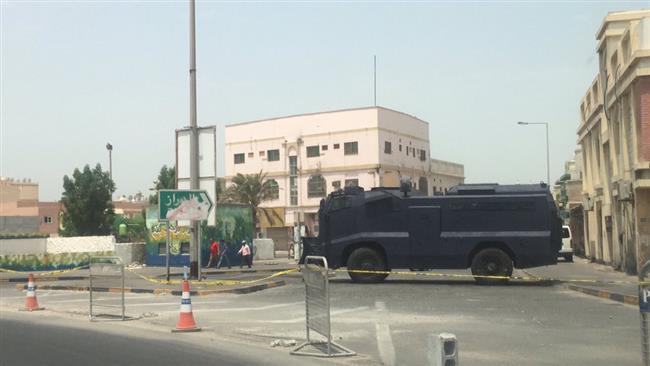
(317, 311)
(186, 321)
(106, 271)
(644, 309)
(31, 303)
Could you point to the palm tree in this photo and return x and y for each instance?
(251, 189)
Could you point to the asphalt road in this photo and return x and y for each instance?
(33, 340)
(388, 323)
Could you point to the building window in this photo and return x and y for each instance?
(273, 155)
(336, 185)
(274, 189)
(293, 180)
(313, 151)
(324, 147)
(413, 151)
(47, 219)
(387, 148)
(351, 148)
(316, 186)
(240, 158)
(262, 153)
(423, 155)
(251, 155)
(337, 146)
(351, 182)
(400, 147)
(424, 186)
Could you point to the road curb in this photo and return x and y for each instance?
(51, 278)
(164, 291)
(605, 294)
(208, 272)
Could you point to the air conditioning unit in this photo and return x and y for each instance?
(587, 203)
(625, 192)
(443, 350)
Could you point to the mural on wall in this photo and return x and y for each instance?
(234, 224)
(47, 262)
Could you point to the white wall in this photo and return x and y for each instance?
(76, 244)
(80, 244)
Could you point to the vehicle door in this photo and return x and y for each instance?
(424, 236)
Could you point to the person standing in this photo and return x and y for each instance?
(214, 253)
(224, 254)
(245, 252)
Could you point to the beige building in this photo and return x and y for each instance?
(18, 206)
(614, 134)
(310, 155)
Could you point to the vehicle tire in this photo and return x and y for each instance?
(491, 262)
(568, 258)
(366, 259)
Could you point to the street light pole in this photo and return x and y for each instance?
(109, 147)
(548, 156)
(194, 146)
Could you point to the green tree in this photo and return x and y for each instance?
(250, 189)
(166, 180)
(87, 202)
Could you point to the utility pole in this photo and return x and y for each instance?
(374, 57)
(194, 146)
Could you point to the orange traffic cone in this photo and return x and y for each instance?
(31, 303)
(186, 321)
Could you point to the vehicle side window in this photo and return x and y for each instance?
(338, 203)
(566, 233)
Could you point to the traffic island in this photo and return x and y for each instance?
(167, 289)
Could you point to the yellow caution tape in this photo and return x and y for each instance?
(212, 282)
(456, 275)
(41, 274)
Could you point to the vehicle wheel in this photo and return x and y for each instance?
(491, 262)
(366, 259)
(568, 258)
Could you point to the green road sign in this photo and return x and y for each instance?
(183, 204)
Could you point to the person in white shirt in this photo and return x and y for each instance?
(245, 252)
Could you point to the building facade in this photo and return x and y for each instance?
(18, 206)
(311, 155)
(614, 134)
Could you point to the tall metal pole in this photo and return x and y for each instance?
(375, 77)
(194, 145)
(110, 163)
(548, 159)
(167, 239)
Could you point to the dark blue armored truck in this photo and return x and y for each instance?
(489, 228)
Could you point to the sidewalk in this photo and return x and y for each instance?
(143, 279)
(592, 279)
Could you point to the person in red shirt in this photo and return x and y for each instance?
(214, 253)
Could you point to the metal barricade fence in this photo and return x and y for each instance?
(644, 309)
(317, 311)
(106, 273)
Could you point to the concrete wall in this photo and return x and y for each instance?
(131, 252)
(80, 244)
(22, 246)
(264, 249)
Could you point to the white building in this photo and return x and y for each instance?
(311, 155)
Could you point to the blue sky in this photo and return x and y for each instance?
(76, 75)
